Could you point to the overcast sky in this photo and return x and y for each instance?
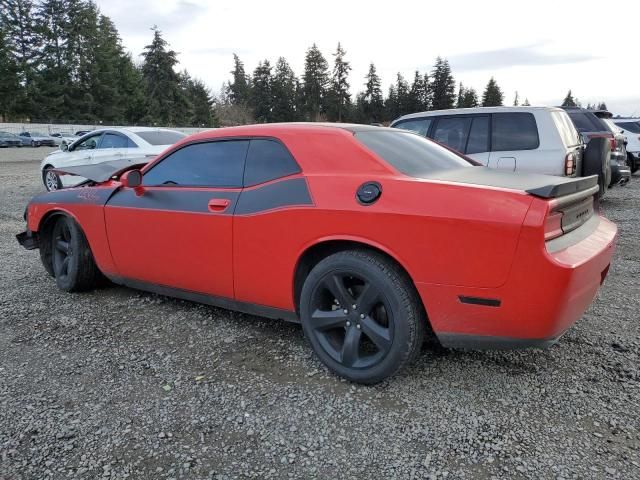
(540, 48)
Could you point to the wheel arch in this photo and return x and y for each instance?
(322, 248)
(45, 226)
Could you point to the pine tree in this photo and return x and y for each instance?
(372, 101)
(391, 104)
(284, 93)
(419, 93)
(261, 96)
(166, 100)
(22, 44)
(526, 103)
(339, 98)
(316, 82)
(200, 102)
(403, 95)
(602, 106)
(470, 99)
(443, 85)
(9, 81)
(516, 100)
(569, 101)
(239, 87)
(492, 96)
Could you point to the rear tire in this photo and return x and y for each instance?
(71, 259)
(384, 325)
(596, 161)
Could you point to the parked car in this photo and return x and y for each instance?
(523, 139)
(81, 133)
(620, 171)
(61, 137)
(135, 144)
(590, 127)
(9, 140)
(37, 139)
(631, 130)
(388, 236)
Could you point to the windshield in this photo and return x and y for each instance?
(410, 153)
(160, 137)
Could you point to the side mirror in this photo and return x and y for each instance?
(64, 147)
(131, 178)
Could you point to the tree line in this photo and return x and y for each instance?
(62, 60)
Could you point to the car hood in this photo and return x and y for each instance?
(545, 186)
(101, 172)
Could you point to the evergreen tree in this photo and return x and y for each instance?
(403, 97)
(569, 101)
(372, 101)
(316, 82)
(200, 102)
(391, 104)
(443, 85)
(261, 96)
(9, 80)
(492, 96)
(22, 44)
(419, 93)
(526, 103)
(470, 98)
(461, 92)
(602, 106)
(284, 86)
(239, 87)
(516, 100)
(166, 100)
(339, 98)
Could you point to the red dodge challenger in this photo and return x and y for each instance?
(371, 237)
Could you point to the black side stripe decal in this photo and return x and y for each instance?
(286, 193)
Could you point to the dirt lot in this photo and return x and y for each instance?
(121, 384)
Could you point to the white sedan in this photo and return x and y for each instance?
(135, 144)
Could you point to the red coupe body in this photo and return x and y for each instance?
(478, 245)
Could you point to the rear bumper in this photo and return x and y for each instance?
(545, 294)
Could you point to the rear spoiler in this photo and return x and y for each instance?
(581, 185)
(100, 172)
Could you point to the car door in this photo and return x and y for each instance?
(175, 230)
(514, 137)
(81, 153)
(113, 146)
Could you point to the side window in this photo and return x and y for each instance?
(514, 131)
(418, 125)
(211, 164)
(89, 143)
(112, 140)
(478, 135)
(268, 160)
(453, 132)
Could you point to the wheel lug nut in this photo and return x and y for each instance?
(345, 311)
(354, 306)
(358, 326)
(348, 324)
(362, 315)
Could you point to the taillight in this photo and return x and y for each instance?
(553, 226)
(614, 144)
(570, 164)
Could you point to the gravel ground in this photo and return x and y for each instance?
(121, 384)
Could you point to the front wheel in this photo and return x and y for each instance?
(71, 259)
(362, 315)
(51, 179)
(632, 161)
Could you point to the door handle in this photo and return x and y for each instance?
(218, 204)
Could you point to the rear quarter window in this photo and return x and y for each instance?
(410, 153)
(268, 160)
(514, 131)
(567, 131)
(418, 125)
(160, 137)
